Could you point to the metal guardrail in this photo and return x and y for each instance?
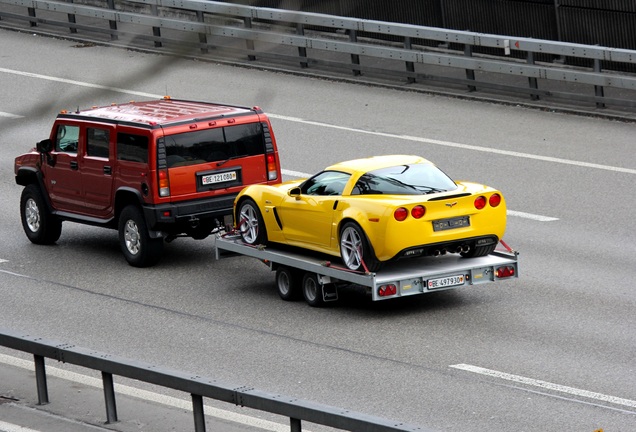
(198, 387)
(320, 41)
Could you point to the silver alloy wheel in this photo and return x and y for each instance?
(32, 215)
(249, 223)
(131, 236)
(351, 248)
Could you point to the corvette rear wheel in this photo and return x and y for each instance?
(250, 223)
(355, 249)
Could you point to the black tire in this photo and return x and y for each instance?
(479, 251)
(288, 283)
(139, 249)
(250, 223)
(39, 224)
(312, 290)
(355, 249)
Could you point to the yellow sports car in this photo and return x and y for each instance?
(373, 210)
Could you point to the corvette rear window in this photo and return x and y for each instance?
(416, 179)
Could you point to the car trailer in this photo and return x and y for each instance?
(299, 272)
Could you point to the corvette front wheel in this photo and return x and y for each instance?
(356, 250)
(250, 223)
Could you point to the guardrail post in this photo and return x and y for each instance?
(199, 415)
(112, 24)
(294, 425)
(532, 82)
(156, 31)
(410, 66)
(71, 20)
(355, 58)
(598, 90)
(248, 42)
(470, 74)
(109, 397)
(203, 38)
(302, 51)
(40, 380)
(31, 11)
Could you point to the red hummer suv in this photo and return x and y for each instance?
(152, 170)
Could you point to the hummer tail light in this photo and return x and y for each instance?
(272, 172)
(164, 183)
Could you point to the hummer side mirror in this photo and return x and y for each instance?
(44, 146)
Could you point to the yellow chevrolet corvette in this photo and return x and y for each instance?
(373, 210)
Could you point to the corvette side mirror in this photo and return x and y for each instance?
(294, 192)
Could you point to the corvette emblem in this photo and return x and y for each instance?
(451, 205)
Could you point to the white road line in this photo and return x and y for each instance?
(546, 385)
(3, 260)
(531, 216)
(510, 212)
(8, 427)
(9, 115)
(349, 129)
(461, 146)
(149, 396)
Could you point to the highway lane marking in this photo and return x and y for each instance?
(9, 115)
(8, 427)
(149, 396)
(509, 212)
(349, 129)
(546, 385)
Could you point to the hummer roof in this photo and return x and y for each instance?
(165, 111)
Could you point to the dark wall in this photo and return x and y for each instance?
(604, 22)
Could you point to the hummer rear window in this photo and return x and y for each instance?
(214, 145)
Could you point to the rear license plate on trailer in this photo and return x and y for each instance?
(218, 178)
(446, 224)
(445, 282)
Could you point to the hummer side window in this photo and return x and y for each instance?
(131, 147)
(67, 138)
(97, 142)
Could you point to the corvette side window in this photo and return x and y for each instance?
(67, 138)
(326, 183)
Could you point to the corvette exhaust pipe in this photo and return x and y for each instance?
(465, 248)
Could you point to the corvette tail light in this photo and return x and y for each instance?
(272, 173)
(387, 290)
(400, 214)
(494, 200)
(480, 202)
(505, 272)
(418, 211)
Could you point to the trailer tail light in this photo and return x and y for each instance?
(418, 211)
(505, 272)
(480, 202)
(400, 214)
(272, 172)
(494, 200)
(387, 290)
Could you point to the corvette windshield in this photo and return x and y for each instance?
(413, 179)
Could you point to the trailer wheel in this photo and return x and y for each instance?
(312, 290)
(288, 283)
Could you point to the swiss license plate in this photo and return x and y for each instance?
(218, 178)
(451, 223)
(447, 281)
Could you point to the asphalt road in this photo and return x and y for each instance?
(553, 350)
